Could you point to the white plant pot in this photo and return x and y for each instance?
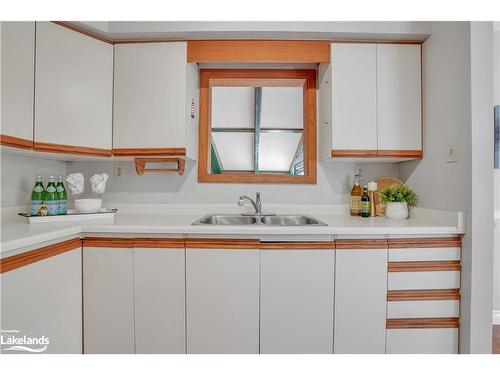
(396, 210)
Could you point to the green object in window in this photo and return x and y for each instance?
(216, 164)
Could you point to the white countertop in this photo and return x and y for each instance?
(17, 234)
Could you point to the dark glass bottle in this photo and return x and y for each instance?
(365, 203)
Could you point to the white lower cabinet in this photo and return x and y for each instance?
(360, 300)
(422, 341)
(159, 291)
(296, 301)
(108, 299)
(45, 299)
(222, 300)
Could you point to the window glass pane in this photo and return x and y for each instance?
(277, 151)
(282, 107)
(232, 107)
(235, 151)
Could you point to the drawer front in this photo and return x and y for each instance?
(424, 280)
(423, 309)
(422, 341)
(424, 254)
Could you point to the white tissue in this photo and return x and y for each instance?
(75, 183)
(372, 186)
(98, 182)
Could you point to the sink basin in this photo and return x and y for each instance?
(227, 220)
(268, 220)
(290, 220)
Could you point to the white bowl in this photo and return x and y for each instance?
(88, 205)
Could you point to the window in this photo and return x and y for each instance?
(257, 126)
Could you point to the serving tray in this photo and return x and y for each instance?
(72, 215)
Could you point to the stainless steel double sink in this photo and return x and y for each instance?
(267, 220)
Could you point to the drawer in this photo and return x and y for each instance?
(422, 341)
(423, 309)
(424, 280)
(424, 254)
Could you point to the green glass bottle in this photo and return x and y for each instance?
(51, 199)
(62, 196)
(37, 196)
(365, 203)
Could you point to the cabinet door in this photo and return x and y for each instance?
(354, 96)
(422, 341)
(108, 300)
(18, 60)
(150, 95)
(159, 290)
(360, 301)
(222, 291)
(399, 97)
(74, 88)
(296, 311)
(45, 299)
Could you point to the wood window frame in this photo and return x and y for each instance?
(251, 77)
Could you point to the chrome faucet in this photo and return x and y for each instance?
(257, 204)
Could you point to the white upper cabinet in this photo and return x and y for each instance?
(73, 89)
(370, 101)
(154, 89)
(399, 97)
(17, 69)
(354, 97)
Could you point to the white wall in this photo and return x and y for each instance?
(18, 176)
(334, 185)
(496, 185)
(458, 99)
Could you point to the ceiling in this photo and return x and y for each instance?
(189, 30)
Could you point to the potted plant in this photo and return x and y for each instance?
(397, 199)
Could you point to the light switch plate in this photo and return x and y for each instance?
(452, 153)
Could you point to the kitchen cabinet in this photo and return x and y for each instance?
(399, 113)
(159, 298)
(155, 100)
(296, 300)
(222, 296)
(423, 307)
(17, 66)
(44, 298)
(370, 102)
(360, 296)
(73, 92)
(108, 297)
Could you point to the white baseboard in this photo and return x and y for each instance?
(496, 317)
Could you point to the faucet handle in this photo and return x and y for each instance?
(257, 196)
(240, 202)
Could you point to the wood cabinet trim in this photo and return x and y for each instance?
(158, 151)
(423, 295)
(36, 255)
(70, 149)
(84, 31)
(270, 51)
(320, 245)
(221, 243)
(113, 242)
(140, 165)
(447, 265)
(8, 140)
(160, 243)
(401, 243)
(360, 244)
(377, 153)
(403, 323)
(354, 153)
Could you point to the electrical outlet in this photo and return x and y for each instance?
(119, 170)
(452, 153)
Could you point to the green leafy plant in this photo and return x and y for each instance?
(398, 194)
